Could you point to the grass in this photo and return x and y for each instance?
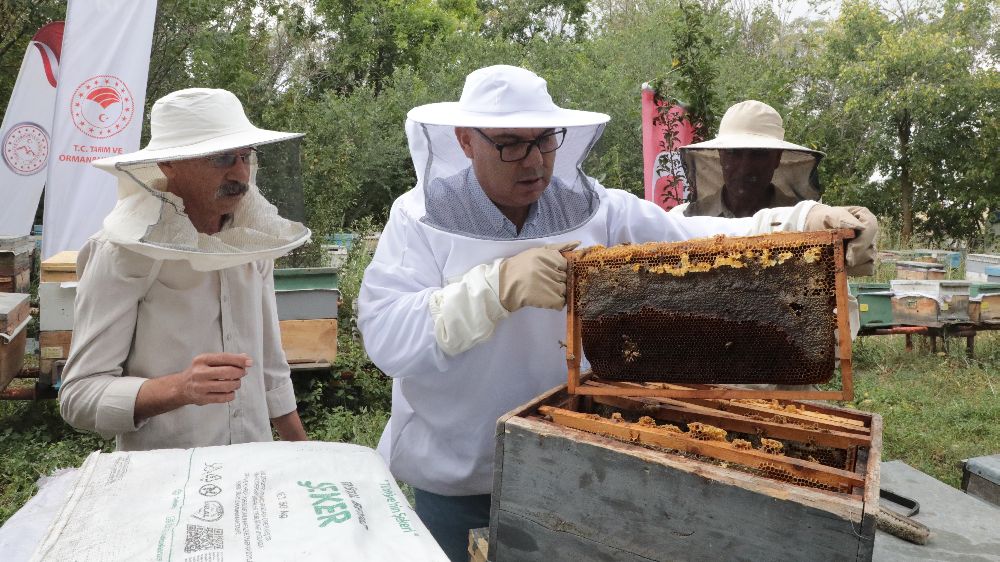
(937, 409)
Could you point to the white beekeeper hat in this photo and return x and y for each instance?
(748, 125)
(196, 122)
(188, 124)
(503, 96)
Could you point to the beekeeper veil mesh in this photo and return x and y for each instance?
(201, 125)
(751, 125)
(503, 100)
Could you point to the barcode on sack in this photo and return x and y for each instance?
(205, 557)
(202, 538)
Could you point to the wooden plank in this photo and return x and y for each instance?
(720, 450)
(574, 344)
(57, 276)
(686, 413)
(309, 341)
(843, 323)
(565, 495)
(719, 393)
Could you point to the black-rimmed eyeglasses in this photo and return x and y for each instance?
(227, 159)
(516, 151)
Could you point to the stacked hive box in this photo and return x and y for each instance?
(307, 312)
(981, 267)
(14, 315)
(15, 264)
(918, 270)
(56, 296)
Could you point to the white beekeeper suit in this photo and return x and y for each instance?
(429, 307)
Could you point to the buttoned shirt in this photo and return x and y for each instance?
(458, 204)
(138, 319)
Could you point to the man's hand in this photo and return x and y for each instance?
(860, 257)
(213, 378)
(535, 277)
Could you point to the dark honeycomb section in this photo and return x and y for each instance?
(724, 310)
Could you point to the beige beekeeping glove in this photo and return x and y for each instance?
(860, 257)
(535, 277)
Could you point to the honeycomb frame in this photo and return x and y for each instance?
(753, 256)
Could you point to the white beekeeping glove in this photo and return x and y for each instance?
(466, 311)
(860, 257)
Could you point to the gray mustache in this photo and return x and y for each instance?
(231, 188)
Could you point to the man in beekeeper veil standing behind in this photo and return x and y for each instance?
(176, 340)
(463, 301)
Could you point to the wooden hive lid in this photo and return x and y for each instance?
(63, 261)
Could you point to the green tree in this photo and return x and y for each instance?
(524, 20)
(368, 39)
(19, 20)
(919, 93)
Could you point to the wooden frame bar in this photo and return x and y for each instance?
(680, 412)
(574, 343)
(721, 450)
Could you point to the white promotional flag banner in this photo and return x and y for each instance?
(98, 113)
(26, 131)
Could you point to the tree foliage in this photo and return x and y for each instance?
(904, 104)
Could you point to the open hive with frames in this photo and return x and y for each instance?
(665, 328)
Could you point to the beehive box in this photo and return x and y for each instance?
(307, 293)
(984, 303)
(952, 298)
(565, 488)
(917, 270)
(916, 311)
(644, 458)
(874, 304)
(16, 259)
(14, 314)
(56, 301)
(977, 264)
(947, 258)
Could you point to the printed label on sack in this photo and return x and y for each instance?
(864, 307)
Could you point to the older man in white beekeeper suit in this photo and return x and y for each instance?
(462, 303)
